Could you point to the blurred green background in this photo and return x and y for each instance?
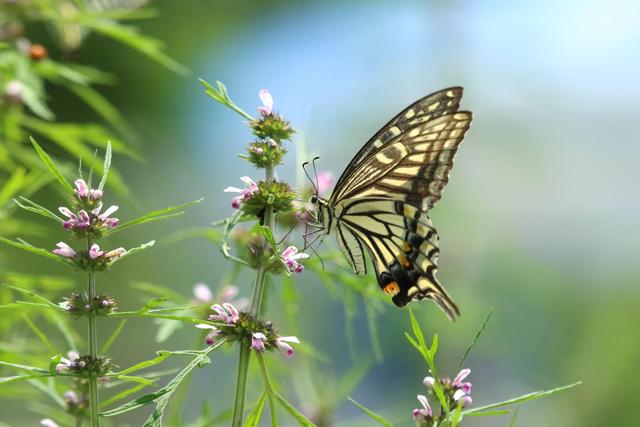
(539, 219)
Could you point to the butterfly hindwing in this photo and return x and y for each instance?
(403, 246)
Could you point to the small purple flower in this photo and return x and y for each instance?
(210, 339)
(228, 293)
(461, 397)
(84, 221)
(95, 252)
(425, 412)
(202, 293)
(245, 193)
(73, 218)
(457, 381)
(104, 217)
(70, 397)
(267, 102)
(258, 150)
(463, 389)
(258, 340)
(66, 364)
(48, 422)
(290, 257)
(81, 188)
(64, 250)
(282, 344)
(95, 194)
(226, 313)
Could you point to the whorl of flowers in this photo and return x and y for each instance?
(241, 326)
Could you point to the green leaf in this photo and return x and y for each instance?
(520, 399)
(114, 335)
(162, 355)
(489, 413)
(34, 295)
(51, 166)
(106, 167)
(456, 416)
(138, 249)
(41, 335)
(475, 339)
(304, 421)
(38, 251)
(371, 414)
(253, 419)
(156, 216)
(17, 378)
(162, 396)
(131, 37)
(36, 208)
(25, 368)
(13, 185)
(220, 94)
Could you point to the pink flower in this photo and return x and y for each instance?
(228, 293)
(325, 181)
(70, 397)
(64, 250)
(81, 188)
(245, 193)
(48, 422)
(114, 254)
(84, 221)
(282, 344)
(225, 313)
(423, 413)
(202, 293)
(95, 252)
(95, 194)
(210, 339)
(463, 389)
(104, 217)
(73, 218)
(14, 90)
(457, 381)
(462, 397)
(290, 257)
(258, 340)
(258, 150)
(429, 381)
(66, 364)
(267, 102)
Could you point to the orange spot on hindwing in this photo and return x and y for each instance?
(392, 289)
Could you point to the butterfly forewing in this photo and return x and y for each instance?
(446, 101)
(380, 201)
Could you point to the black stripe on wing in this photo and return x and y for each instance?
(413, 167)
(443, 102)
(404, 247)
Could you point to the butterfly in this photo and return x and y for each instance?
(379, 204)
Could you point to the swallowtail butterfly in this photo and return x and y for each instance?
(380, 203)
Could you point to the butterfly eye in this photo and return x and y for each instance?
(314, 199)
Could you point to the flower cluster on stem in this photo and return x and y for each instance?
(457, 392)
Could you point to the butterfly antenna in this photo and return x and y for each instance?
(315, 172)
(304, 168)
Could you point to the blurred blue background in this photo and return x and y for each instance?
(539, 219)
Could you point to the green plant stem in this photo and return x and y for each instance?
(269, 387)
(256, 302)
(93, 351)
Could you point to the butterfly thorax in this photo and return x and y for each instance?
(326, 216)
